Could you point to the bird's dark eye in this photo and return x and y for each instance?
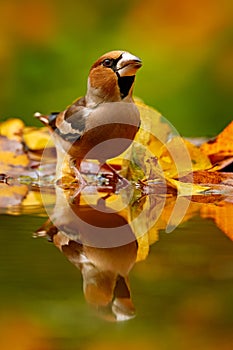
(107, 62)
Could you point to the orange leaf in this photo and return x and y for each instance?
(12, 195)
(12, 156)
(206, 177)
(221, 147)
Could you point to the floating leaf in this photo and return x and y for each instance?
(186, 188)
(206, 177)
(217, 182)
(12, 194)
(221, 147)
(222, 164)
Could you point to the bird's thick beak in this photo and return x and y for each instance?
(128, 65)
(43, 118)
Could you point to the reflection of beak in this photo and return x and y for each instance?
(128, 65)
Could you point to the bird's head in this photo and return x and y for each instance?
(111, 77)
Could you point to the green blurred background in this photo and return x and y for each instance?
(47, 47)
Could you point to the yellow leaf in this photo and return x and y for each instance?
(179, 157)
(158, 152)
(199, 159)
(37, 138)
(186, 188)
(12, 129)
(153, 133)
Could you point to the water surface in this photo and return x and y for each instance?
(178, 295)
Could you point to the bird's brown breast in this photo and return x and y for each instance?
(109, 131)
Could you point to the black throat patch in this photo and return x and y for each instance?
(125, 84)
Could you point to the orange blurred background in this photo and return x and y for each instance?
(47, 47)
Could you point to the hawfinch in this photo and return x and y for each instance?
(103, 123)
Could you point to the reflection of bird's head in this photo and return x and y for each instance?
(112, 76)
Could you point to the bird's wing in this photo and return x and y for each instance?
(72, 127)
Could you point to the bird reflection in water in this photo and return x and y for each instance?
(98, 232)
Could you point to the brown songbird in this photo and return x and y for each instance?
(103, 123)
